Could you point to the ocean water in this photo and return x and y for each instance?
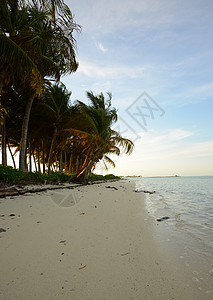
(188, 202)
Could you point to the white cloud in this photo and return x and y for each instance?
(96, 71)
(158, 78)
(166, 153)
(171, 144)
(101, 47)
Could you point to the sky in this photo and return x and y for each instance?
(156, 58)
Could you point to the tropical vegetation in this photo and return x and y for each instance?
(9, 175)
(37, 119)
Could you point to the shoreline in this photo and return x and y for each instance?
(91, 242)
(191, 254)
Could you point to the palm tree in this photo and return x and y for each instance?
(102, 140)
(14, 33)
(56, 58)
(16, 37)
(32, 47)
(55, 107)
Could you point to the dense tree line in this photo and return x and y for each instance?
(37, 47)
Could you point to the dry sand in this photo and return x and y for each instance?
(92, 242)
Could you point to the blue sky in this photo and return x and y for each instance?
(164, 48)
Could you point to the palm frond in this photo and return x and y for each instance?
(5, 15)
(109, 160)
(126, 144)
(15, 56)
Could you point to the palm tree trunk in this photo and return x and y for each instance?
(30, 162)
(82, 177)
(4, 144)
(65, 162)
(61, 161)
(43, 156)
(34, 161)
(26, 164)
(14, 163)
(85, 163)
(30, 157)
(70, 164)
(86, 167)
(51, 150)
(23, 142)
(39, 166)
(77, 163)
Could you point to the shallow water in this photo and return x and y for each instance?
(188, 202)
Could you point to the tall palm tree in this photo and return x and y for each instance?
(56, 57)
(16, 37)
(32, 47)
(57, 110)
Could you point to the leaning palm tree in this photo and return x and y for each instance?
(101, 140)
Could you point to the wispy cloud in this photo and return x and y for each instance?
(100, 46)
(167, 153)
(158, 79)
(171, 144)
(97, 71)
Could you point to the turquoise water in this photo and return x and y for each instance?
(188, 202)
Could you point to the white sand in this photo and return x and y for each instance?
(88, 243)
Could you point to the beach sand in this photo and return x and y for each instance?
(92, 242)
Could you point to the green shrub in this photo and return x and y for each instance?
(94, 177)
(34, 176)
(53, 176)
(111, 176)
(10, 175)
